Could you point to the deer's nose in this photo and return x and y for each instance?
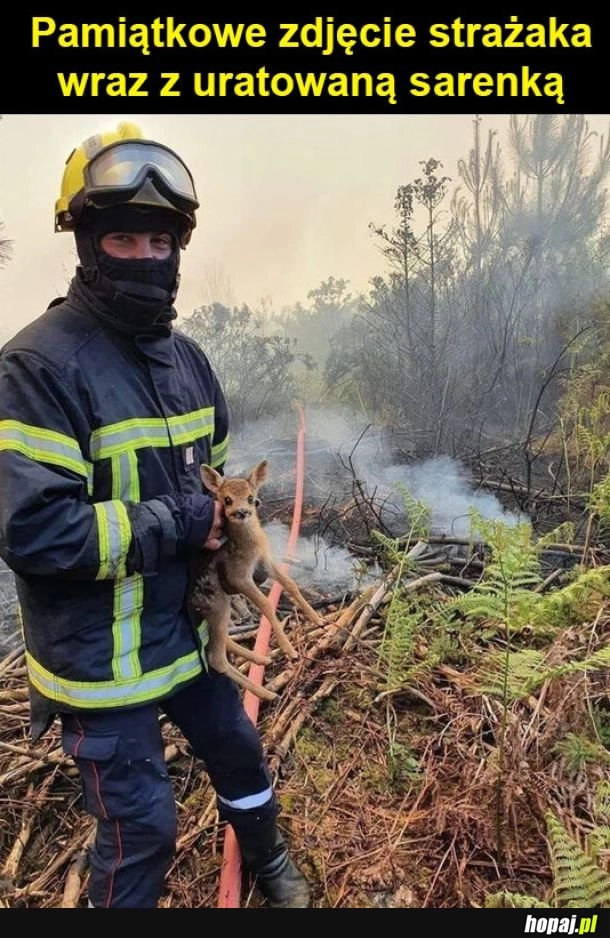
(241, 513)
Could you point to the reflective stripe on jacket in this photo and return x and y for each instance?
(95, 428)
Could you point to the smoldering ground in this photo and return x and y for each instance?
(344, 454)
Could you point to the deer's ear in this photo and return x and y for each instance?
(210, 478)
(259, 474)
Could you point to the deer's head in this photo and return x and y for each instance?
(238, 494)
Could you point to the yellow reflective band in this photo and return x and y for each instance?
(94, 695)
(44, 446)
(219, 452)
(113, 538)
(126, 627)
(125, 478)
(151, 431)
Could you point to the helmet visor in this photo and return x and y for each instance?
(118, 171)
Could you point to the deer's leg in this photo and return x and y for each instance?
(295, 593)
(251, 592)
(218, 615)
(247, 684)
(218, 618)
(242, 652)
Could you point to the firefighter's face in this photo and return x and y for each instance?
(137, 245)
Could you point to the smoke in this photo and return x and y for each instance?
(318, 566)
(443, 487)
(368, 455)
(343, 455)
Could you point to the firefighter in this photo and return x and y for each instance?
(106, 413)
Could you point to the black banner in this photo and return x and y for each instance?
(395, 59)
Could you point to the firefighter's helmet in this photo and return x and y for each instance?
(121, 167)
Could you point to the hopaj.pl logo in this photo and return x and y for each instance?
(561, 924)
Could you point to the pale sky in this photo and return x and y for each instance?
(286, 199)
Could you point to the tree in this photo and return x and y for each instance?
(462, 341)
(256, 370)
(313, 326)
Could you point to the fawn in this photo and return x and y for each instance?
(217, 575)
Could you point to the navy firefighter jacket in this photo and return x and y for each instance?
(101, 434)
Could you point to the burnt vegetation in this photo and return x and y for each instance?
(443, 739)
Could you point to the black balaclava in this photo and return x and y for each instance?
(135, 294)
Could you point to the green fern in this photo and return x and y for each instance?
(418, 516)
(513, 680)
(591, 432)
(512, 900)
(598, 660)
(394, 549)
(504, 600)
(562, 534)
(599, 499)
(602, 801)
(402, 624)
(577, 751)
(526, 671)
(576, 601)
(504, 596)
(403, 618)
(578, 881)
(418, 513)
(598, 841)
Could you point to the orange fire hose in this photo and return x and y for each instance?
(230, 872)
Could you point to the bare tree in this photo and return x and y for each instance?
(458, 341)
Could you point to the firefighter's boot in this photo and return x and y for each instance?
(265, 854)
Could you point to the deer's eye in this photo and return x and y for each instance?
(228, 500)
(250, 500)
(257, 502)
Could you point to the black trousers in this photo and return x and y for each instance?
(120, 757)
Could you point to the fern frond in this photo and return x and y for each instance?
(602, 801)
(394, 548)
(577, 751)
(599, 499)
(599, 841)
(505, 594)
(511, 679)
(403, 620)
(578, 882)
(418, 513)
(525, 671)
(512, 900)
(577, 601)
(598, 660)
(562, 534)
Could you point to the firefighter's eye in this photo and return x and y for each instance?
(228, 500)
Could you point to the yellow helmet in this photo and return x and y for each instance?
(121, 167)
